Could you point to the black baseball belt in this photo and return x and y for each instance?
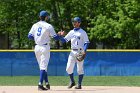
(42, 44)
(77, 49)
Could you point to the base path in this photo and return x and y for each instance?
(63, 89)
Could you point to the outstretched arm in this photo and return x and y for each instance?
(61, 38)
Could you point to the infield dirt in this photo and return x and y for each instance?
(63, 89)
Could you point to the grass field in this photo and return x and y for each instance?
(64, 80)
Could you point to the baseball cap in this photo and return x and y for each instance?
(77, 19)
(43, 13)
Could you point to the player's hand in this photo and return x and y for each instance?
(84, 53)
(81, 56)
(61, 33)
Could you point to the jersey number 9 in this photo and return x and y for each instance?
(39, 31)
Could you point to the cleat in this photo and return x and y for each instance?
(78, 87)
(71, 85)
(40, 87)
(48, 86)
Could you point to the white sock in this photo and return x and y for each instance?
(47, 83)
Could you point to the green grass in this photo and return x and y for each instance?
(64, 80)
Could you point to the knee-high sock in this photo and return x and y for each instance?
(46, 77)
(80, 79)
(71, 78)
(42, 73)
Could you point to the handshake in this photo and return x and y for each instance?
(61, 33)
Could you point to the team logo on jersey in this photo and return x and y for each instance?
(74, 36)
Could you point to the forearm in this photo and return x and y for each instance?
(56, 37)
(62, 39)
(86, 46)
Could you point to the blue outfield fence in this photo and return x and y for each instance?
(97, 63)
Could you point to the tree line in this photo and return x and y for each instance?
(110, 24)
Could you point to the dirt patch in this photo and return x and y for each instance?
(63, 89)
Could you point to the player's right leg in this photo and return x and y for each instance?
(69, 69)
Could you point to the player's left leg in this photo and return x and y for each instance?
(42, 71)
(80, 72)
(42, 76)
(40, 85)
(45, 58)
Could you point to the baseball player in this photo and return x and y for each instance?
(79, 43)
(41, 33)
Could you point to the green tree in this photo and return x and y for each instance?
(113, 23)
(117, 27)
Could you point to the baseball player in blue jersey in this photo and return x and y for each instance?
(79, 43)
(41, 33)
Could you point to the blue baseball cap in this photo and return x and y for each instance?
(43, 13)
(77, 19)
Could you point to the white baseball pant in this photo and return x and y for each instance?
(72, 61)
(43, 55)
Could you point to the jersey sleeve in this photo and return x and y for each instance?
(68, 36)
(31, 32)
(86, 40)
(52, 32)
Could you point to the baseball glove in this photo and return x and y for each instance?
(80, 57)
